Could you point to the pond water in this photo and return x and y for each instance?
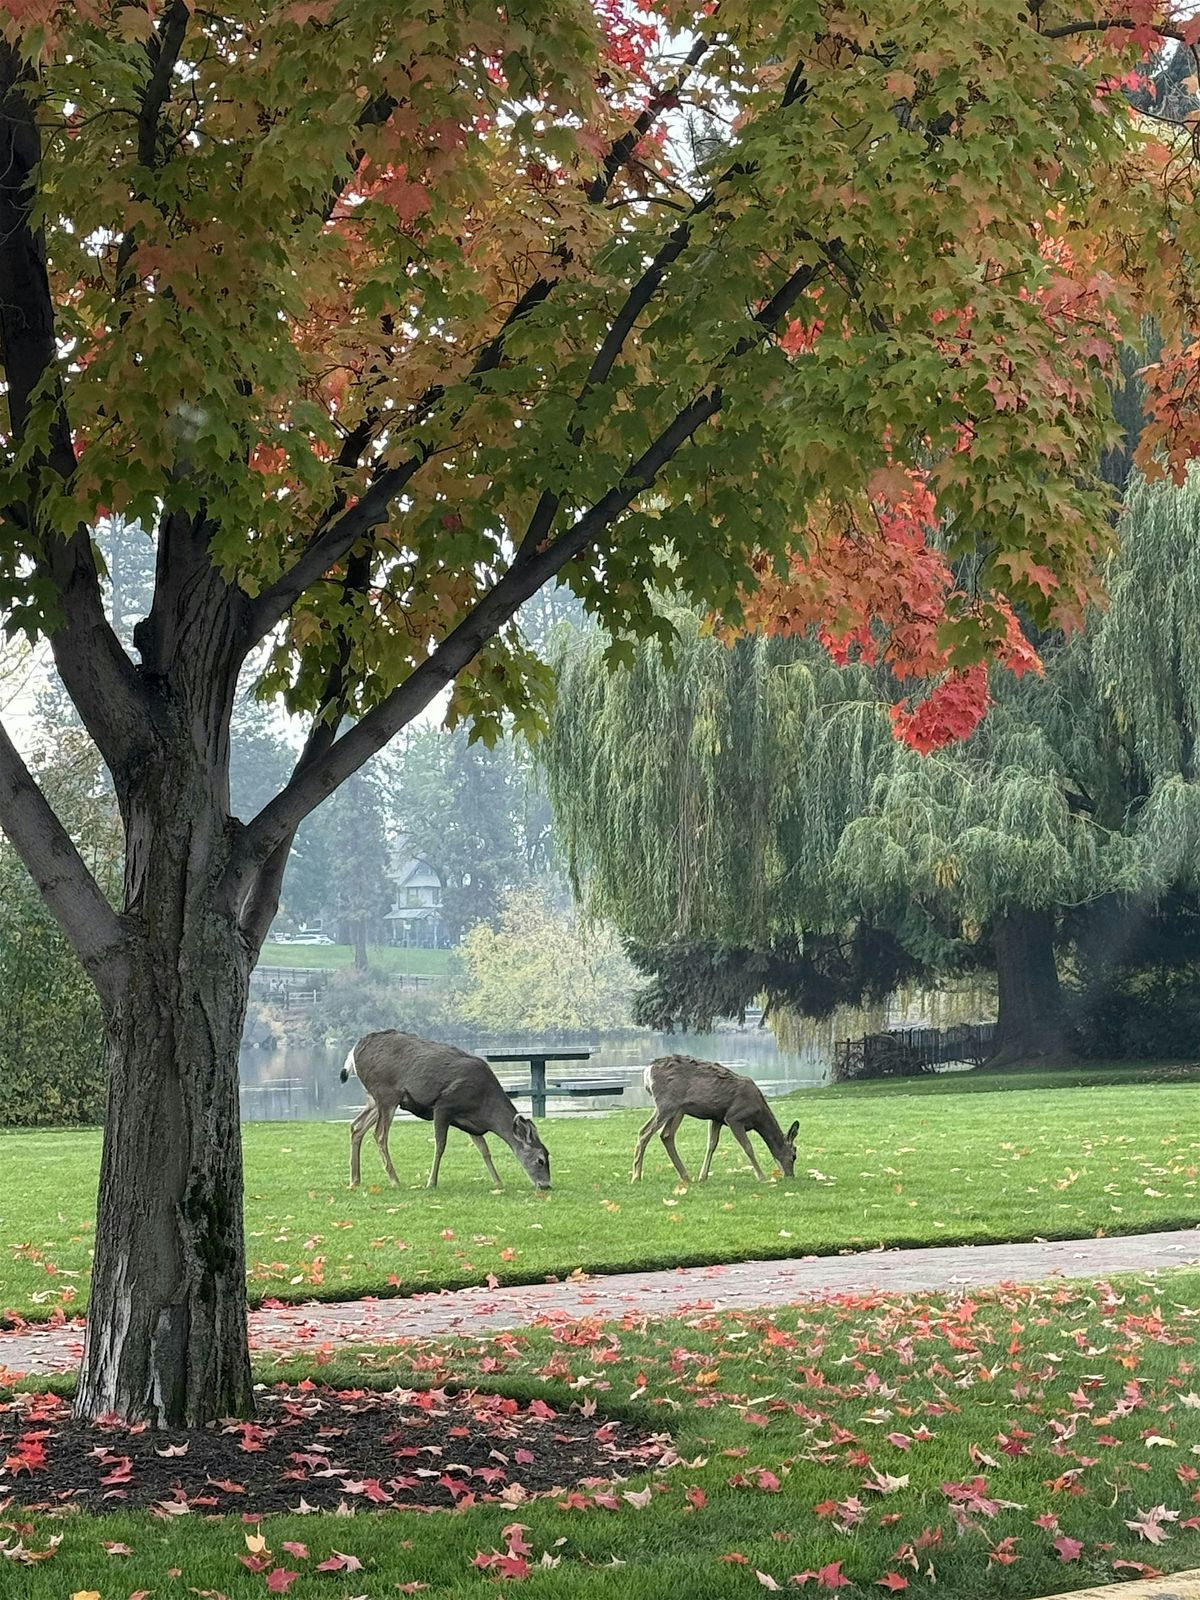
(302, 1083)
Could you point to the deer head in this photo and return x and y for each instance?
(787, 1157)
(531, 1152)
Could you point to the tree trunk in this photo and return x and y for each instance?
(1029, 1020)
(358, 937)
(166, 1327)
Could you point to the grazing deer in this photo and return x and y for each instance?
(444, 1086)
(684, 1087)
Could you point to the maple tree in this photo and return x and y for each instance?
(383, 320)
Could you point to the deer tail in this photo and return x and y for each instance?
(349, 1070)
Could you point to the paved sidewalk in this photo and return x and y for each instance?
(1178, 1586)
(661, 1294)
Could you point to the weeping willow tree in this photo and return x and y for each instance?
(1000, 839)
(700, 796)
(746, 818)
(1141, 957)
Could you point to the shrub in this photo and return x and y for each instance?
(543, 972)
(52, 1067)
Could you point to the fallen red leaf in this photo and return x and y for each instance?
(279, 1581)
(338, 1562)
(892, 1581)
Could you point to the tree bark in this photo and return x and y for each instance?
(166, 1328)
(1029, 1021)
(166, 1325)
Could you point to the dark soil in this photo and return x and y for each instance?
(315, 1448)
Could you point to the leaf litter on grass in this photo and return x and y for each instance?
(1012, 1443)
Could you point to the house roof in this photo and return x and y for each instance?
(407, 868)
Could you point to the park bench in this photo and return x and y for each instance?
(538, 1088)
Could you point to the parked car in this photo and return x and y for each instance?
(309, 938)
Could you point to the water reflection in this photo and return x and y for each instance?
(302, 1083)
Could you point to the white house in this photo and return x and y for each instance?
(416, 915)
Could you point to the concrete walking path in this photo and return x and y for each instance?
(745, 1285)
(1178, 1586)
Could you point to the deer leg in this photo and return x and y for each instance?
(644, 1138)
(480, 1144)
(743, 1139)
(714, 1133)
(358, 1130)
(441, 1127)
(382, 1127)
(667, 1135)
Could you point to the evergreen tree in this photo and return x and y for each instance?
(472, 813)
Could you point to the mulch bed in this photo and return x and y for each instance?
(317, 1449)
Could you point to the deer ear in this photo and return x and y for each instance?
(522, 1127)
(793, 1131)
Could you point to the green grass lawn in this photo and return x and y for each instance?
(994, 1446)
(384, 958)
(936, 1163)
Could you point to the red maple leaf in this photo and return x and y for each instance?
(1068, 1549)
(892, 1581)
(338, 1562)
(830, 1576)
(279, 1580)
(1004, 1552)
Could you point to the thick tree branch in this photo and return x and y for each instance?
(162, 52)
(530, 570)
(1069, 30)
(332, 540)
(90, 924)
(98, 675)
(163, 49)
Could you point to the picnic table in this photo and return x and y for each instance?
(538, 1089)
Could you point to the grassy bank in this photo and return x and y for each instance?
(382, 958)
(958, 1159)
(1006, 1445)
